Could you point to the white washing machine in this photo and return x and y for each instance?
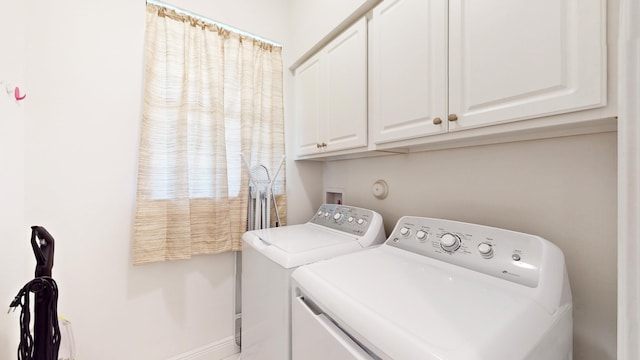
(436, 289)
(269, 256)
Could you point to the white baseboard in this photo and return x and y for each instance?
(215, 351)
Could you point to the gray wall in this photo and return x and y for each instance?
(562, 189)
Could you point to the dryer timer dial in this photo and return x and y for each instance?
(450, 242)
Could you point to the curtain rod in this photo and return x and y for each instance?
(199, 17)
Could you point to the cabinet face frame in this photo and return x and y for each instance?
(540, 74)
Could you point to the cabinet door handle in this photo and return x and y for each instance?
(437, 121)
(453, 117)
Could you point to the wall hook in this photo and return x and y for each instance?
(16, 93)
(13, 90)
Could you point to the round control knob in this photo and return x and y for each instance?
(337, 217)
(405, 231)
(485, 250)
(421, 235)
(326, 214)
(361, 222)
(320, 213)
(450, 242)
(350, 219)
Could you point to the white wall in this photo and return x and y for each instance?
(562, 189)
(16, 263)
(84, 67)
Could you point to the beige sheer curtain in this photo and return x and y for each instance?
(210, 94)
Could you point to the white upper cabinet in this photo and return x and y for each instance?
(519, 59)
(331, 95)
(437, 67)
(409, 69)
(441, 66)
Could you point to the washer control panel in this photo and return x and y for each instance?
(353, 220)
(505, 254)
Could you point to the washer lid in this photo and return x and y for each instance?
(296, 245)
(405, 306)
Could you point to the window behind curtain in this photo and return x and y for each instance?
(210, 95)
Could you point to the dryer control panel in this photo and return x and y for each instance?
(353, 220)
(505, 254)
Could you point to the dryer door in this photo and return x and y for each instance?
(316, 337)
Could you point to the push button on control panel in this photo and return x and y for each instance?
(485, 250)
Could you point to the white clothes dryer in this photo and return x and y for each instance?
(436, 289)
(269, 256)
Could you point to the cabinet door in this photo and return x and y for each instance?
(519, 59)
(308, 106)
(345, 60)
(409, 69)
